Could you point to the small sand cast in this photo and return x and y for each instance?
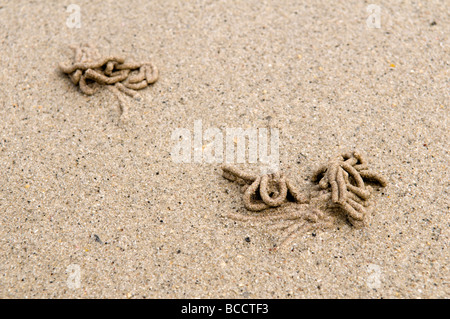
(341, 184)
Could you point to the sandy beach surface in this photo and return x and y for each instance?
(94, 206)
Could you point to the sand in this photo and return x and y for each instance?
(94, 207)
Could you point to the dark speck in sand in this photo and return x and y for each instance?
(97, 239)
